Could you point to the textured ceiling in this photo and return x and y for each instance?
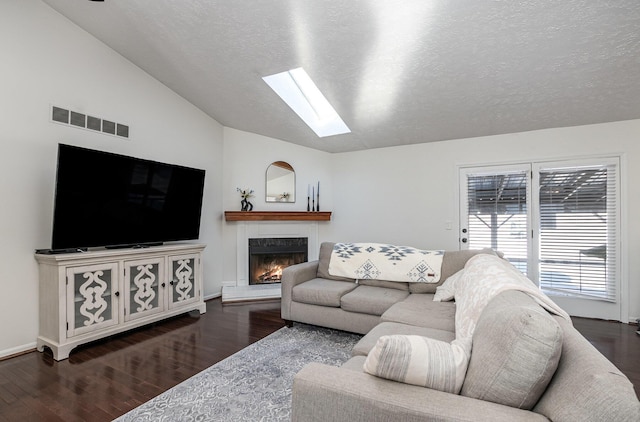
(398, 72)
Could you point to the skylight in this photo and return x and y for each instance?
(297, 89)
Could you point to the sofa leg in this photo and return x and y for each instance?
(288, 323)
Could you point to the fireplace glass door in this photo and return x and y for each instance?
(269, 256)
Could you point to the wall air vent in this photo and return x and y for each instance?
(85, 121)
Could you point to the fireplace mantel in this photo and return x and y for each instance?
(277, 216)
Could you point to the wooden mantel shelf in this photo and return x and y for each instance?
(277, 216)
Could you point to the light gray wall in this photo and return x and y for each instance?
(47, 60)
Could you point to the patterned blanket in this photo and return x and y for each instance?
(385, 262)
(484, 277)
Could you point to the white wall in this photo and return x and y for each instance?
(47, 60)
(246, 158)
(405, 195)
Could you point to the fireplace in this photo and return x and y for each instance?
(269, 256)
(241, 289)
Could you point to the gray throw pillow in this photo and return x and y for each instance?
(516, 350)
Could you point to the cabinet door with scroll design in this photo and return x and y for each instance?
(144, 288)
(92, 298)
(184, 287)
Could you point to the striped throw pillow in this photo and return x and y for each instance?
(419, 361)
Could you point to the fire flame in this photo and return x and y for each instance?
(271, 276)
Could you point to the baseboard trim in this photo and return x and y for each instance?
(251, 293)
(212, 296)
(17, 351)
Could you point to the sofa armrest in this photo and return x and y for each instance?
(292, 276)
(327, 393)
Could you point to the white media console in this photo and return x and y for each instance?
(86, 296)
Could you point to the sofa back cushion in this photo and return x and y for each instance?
(323, 262)
(516, 349)
(587, 386)
(397, 285)
(452, 262)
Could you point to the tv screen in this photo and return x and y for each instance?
(110, 200)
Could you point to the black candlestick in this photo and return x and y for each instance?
(308, 207)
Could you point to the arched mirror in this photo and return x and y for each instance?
(281, 182)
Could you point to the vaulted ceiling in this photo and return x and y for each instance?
(397, 71)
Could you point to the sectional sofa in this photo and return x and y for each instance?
(525, 363)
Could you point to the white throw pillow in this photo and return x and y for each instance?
(419, 361)
(446, 291)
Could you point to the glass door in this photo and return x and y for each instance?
(92, 298)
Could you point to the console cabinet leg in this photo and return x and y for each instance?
(60, 352)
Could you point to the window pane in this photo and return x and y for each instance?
(577, 231)
(497, 212)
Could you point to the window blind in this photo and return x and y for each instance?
(578, 231)
(497, 214)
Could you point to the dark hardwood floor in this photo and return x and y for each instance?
(106, 379)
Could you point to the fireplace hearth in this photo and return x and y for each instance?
(269, 256)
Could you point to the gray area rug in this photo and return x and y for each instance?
(254, 384)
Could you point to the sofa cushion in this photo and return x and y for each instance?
(420, 310)
(452, 262)
(356, 363)
(418, 360)
(323, 263)
(371, 300)
(321, 292)
(516, 349)
(366, 343)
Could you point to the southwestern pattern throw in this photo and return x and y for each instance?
(377, 261)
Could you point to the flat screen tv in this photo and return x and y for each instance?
(110, 200)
